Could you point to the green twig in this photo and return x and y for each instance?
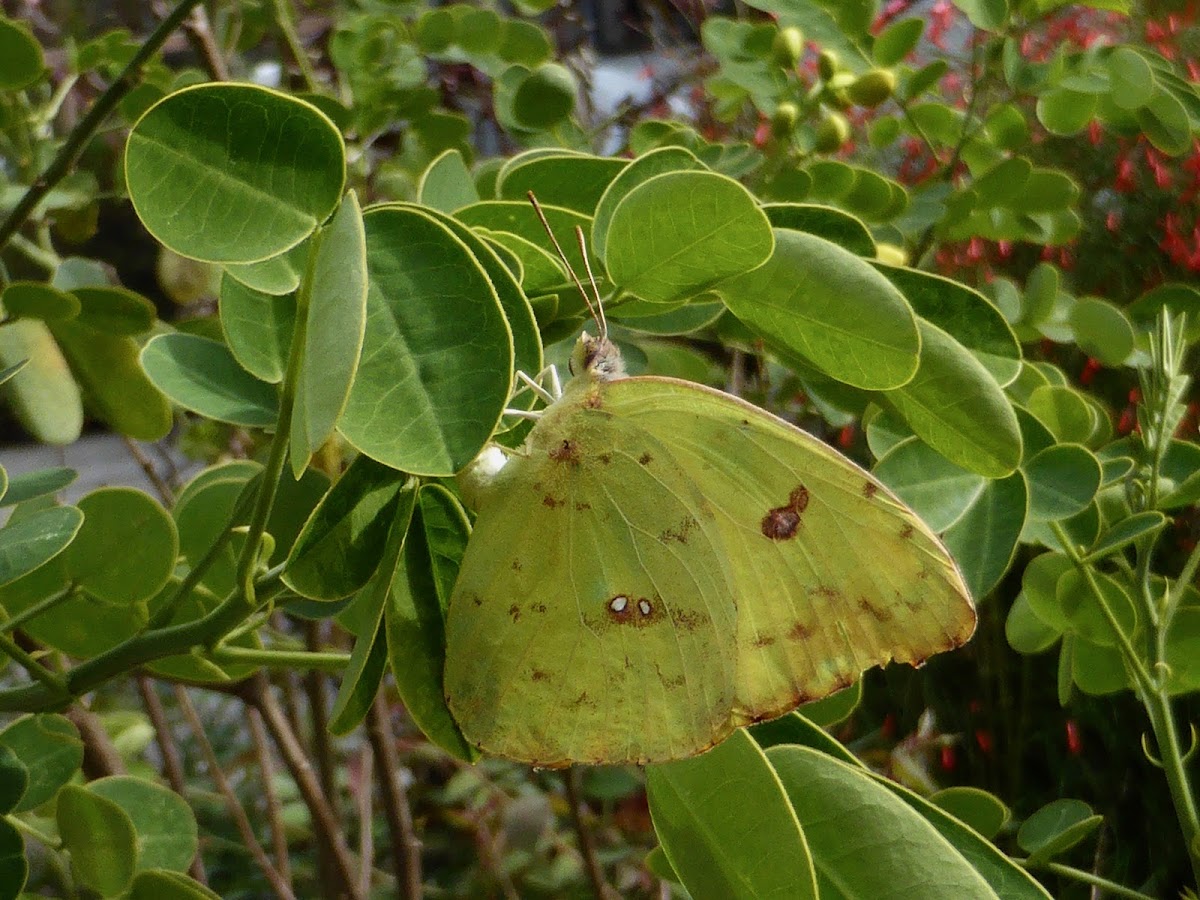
(283, 17)
(1086, 877)
(82, 133)
(331, 662)
(14, 651)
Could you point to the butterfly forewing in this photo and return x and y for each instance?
(592, 620)
(830, 573)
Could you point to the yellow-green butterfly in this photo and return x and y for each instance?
(661, 563)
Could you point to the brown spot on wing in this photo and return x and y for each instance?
(681, 533)
(539, 675)
(581, 505)
(879, 613)
(800, 632)
(782, 522)
(686, 619)
(907, 531)
(515, 612)
(567, 452)
(516, 565)
(645, 459)
(552, 502)
(869, 489)
(605, 458)
(762, 641)
(827, 591)
(537, 607)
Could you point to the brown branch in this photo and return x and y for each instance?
(200, 35)
(100, 757)
(406, 849)
(324, 819)
(366, 835)
(587, 843)
(165, 494)
(172, 765)
(316, 689)
(279, 845)
(232, 804)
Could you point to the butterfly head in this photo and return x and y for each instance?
(598, 358)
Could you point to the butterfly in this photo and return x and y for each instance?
(662, 562)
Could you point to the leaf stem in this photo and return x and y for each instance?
(1086, 877)
(17, 653)
(283, 17)
(330, 662)
(82, 133)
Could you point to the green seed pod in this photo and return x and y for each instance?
(784, 120)
(787, 48)
(828, 64)
(832, 133)
(872, 88)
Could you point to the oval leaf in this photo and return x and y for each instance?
(202, 375)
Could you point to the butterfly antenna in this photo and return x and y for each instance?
(601, 322)
(598, 316)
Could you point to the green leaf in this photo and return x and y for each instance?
(1098, 670)
(127, 546)
(368, 660)
(1164, 121)
(822, 302)
(114, 310)
(342, 542)
(1064, 412)
(837, 707)
(1002, 182)
(572, 181)
(1065, 112)
(991, 15)
(726, 826)
(202, 375)
(796, 729)
(1041, 290)
(1131, 77)
(935, 488)
(14, 780)
(897, 41)
(1040, 583)
(865, 840)
(426, 291)
(1126, 532)
(167, 836)
(33, 541)
(43, 395)
(1055, 828)
(446, 183)
(277, 275)
(157, 884)
(99, 835)
(1183, 650)
(14, 868)
(659, 161)
(1025, 632)
(967, 315)
(1083, 611)
(36, 300)
(545, 97)
(1102, 330)
(49, 747)
(984, 539)
(276, 173)
(518, 217)
(825, 222)
(956, 407)
(333, 339)
(117, 389)
(1063, 481)
(258, 328)
(21, 62)
(677, 234)
(984, 812)
(416, 611)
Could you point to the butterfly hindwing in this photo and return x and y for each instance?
(831, 573)
(592, 619)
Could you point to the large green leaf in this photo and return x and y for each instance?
(258, 328)
(21, 62)
(1063, 481)
(984, 539)
(675, 235)
(167, 836)
(127, 546)
(935, 488)
(342, 542)
(49, 747)
(202, 375)
(336, 289)
(43, 396)
(572, 181)
(33, 541)
(233, 172)
(866, 841)
(726, 825)
(416, 611)
(826, 222)
(446, 183)
(957, 407)
(657, 162)
(829, 306)
(437, 360)
(100, 837)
